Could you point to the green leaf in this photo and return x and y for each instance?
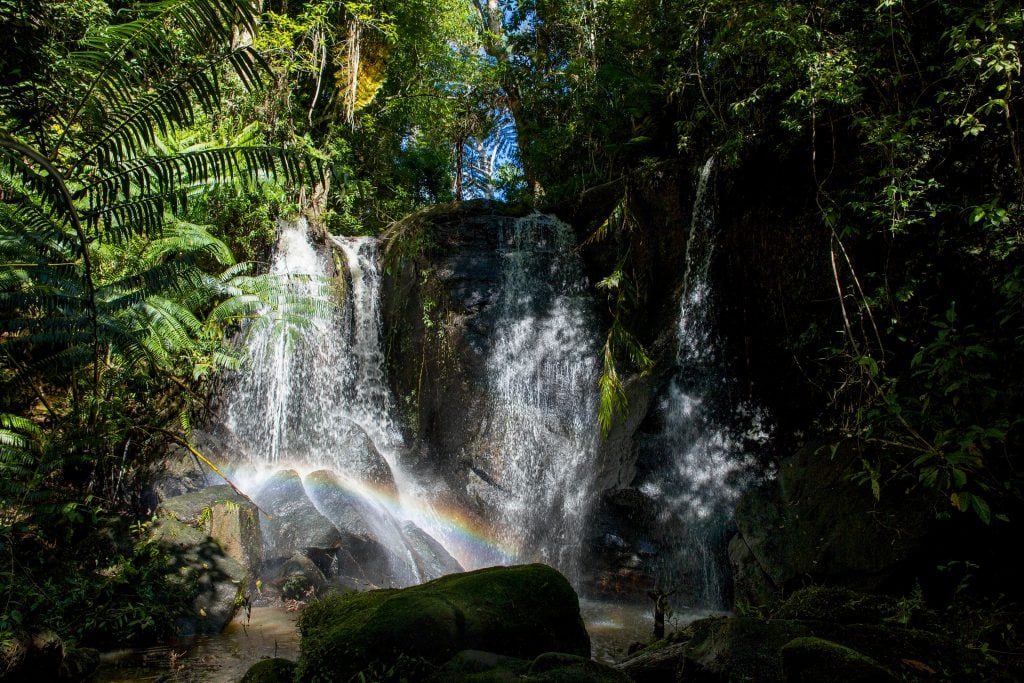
(869, 363)
(981, 509)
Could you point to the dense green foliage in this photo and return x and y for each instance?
(897, 125)
(115, 307)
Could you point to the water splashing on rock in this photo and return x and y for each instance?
(310, 429)
(696, 465)
(543, 374)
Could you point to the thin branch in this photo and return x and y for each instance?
(206, 461)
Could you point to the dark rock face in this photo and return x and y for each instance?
(221, 581)
(437, 309)
(441, 308)
(444, 313)
(519, 612)
(295, 524)
(812, 525)
(818, 634)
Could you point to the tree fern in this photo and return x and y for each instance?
(104, 289)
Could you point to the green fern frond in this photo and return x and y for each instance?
(613, 395)
(110, 79)
(131, 125)
(182, 238)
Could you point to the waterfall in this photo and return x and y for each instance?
(265, 404)
(314, 392)
(543, 373)
(701, 465)
(309, 421)
(369, 399)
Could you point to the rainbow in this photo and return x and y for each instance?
(470, 540)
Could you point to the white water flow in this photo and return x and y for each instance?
(309, 421)
(313, 390)
(705, 462)
(543, 378)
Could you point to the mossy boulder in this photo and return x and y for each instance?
(810, 660)
(519, 612)
(276, 670)
(812, 525)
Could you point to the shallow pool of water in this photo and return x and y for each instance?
(614, 626)
(272, 632)
(222, 658)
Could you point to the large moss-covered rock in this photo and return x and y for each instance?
(813, 525)
(276, 670)
(520, 612)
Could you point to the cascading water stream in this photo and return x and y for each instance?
(704, 466)
(543, 373)
(309, 421)
(368, 394)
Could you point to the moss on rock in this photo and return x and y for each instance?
(276, 670)
(837, 605)
(809, 660)
(518, 611)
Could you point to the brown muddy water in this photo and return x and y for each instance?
(221, 658)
